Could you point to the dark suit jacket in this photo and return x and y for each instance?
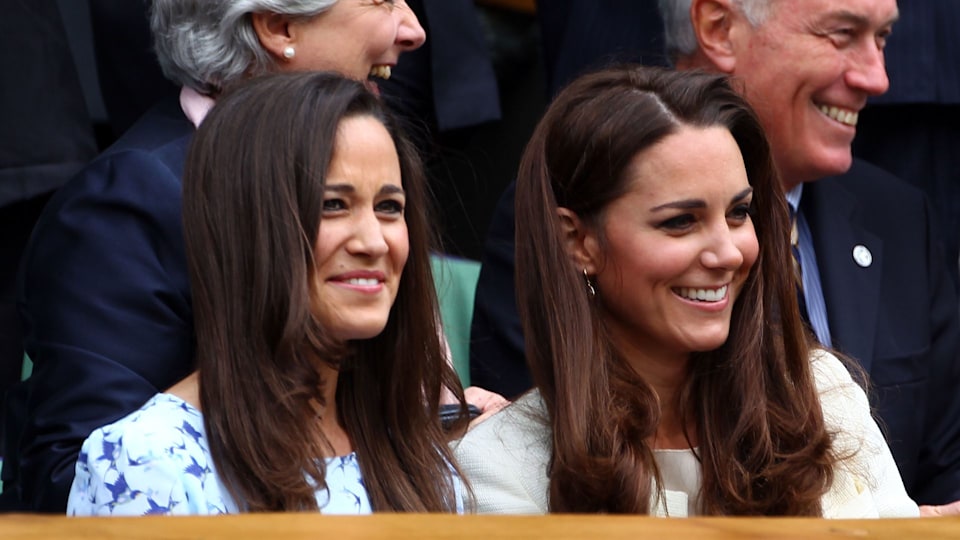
(105, 302)
(898, 317)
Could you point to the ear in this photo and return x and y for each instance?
(713, 22)
(581, 243)
(274, 32)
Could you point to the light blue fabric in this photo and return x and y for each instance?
(156, 461)
(812, 288)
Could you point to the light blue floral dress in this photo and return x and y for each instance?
(156, 461)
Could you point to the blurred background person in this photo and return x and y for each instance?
(47, 137)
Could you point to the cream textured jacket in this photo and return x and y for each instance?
(505, 458)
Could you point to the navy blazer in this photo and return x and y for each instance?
(898, 316)
(105, 300)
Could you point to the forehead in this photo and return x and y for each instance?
(867, 12)
(692, 159)
(364, 149)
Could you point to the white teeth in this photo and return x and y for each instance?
(703, 295)
(844, 116)
(363, 282)
(382, 72)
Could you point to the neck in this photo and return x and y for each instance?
(666, 374)
(339, 441)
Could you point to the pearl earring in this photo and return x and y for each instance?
(289, 52)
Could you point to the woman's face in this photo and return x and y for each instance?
(677, 248)
(362, 245)
(357, 38)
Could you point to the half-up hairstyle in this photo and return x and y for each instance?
(762, 442)
(253, 192)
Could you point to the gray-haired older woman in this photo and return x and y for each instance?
(104, 295)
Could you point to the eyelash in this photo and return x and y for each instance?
(678, 223)
(389, 206)
(739, 213)
(742, 211)
(328, 205)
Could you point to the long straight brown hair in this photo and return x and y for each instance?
(763, 446)
(253, 192)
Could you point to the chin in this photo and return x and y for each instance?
(710, 342)
(832, 163)
(360, 331)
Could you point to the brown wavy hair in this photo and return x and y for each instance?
(253, 192)
(763, 445)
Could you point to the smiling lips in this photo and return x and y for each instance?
(360, 280)
(702, 295)
(844, 116)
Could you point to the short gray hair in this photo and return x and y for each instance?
(207, 44)
(678, 29)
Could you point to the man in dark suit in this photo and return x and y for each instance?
(875, 280)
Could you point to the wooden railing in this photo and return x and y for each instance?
(446, 527)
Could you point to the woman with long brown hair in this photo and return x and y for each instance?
(673, 373)
(320, 362)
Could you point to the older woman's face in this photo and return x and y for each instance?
(358, 38)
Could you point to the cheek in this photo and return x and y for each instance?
(326, 245)
(398, 240)
(749, 247)
(381, 36)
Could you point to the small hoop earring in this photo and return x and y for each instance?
(289, 52)
(591, 290)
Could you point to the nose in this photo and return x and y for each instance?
(868, 70)
(410, 35)
(367, 236)
(722, 251)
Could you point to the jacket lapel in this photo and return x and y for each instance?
(851, 287)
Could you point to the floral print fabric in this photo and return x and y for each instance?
(156, 461)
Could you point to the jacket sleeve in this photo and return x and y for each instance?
(938, 470)
(504, 462)
(867, 483)
(108, 323)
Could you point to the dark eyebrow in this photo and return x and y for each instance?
(742, 195)
(339, 188)
(392, 189)
(389, 189)
(686, 204)
(692, 204)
